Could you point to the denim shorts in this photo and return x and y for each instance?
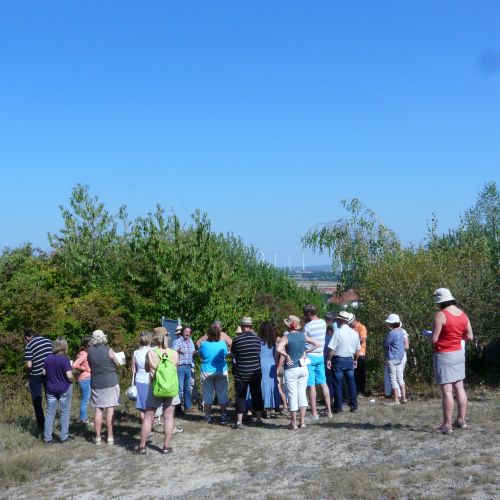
(316, 371)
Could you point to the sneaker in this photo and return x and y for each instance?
(238, 426)
(140, 451)
(444, 430)
(167, 450)
(329, 415)
(459, 424)
(52, 441)
(69, 438)
(223, 419)
(98, 440)
(177, 430)
(312, 418)
(110, 441)
(207, 419)
(403, 401)
(353, 410)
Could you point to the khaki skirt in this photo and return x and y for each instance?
(449, 367)
(105, 398)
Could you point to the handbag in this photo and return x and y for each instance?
(132, 391)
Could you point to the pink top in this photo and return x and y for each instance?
(452, 332)
(82, 365)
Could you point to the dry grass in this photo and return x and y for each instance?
(379, 452)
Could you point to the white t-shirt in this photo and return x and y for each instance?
(345, 342)
(316, 329)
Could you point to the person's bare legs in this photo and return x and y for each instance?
(312, 400)
(98, 422)
(147, 423)
(402, 389)
(447, 400)
(141, 415)
(302, 412)
(395, 395)
(168, 417)
(283, 397)
(326, 397)
(461, 400)
(110, 418)
(293, 418)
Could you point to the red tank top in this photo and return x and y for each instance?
(452, 332)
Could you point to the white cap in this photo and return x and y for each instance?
(442, 295)
(393, 318)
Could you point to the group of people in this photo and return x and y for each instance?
(269, 371)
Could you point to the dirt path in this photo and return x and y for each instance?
(378, 452)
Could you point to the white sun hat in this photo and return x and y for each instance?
(393, 318)
(442, 295)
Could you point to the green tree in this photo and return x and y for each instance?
(86, 248)
(354, 243)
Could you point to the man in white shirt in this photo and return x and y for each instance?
(315, 328)
(343, 350)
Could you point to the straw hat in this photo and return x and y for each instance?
(292, 320)
(246, 321)
(345, 316)
(161, 330)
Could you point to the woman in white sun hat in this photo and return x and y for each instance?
(394, 345)
(450, 326)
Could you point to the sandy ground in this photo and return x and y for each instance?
(379, 452)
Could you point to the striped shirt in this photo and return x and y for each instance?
(316, 329)
(246, 352)
(36, 350)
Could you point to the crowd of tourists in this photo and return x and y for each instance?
(272, 370)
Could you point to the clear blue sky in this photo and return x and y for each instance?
(265, 114)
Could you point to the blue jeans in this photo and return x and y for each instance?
(343, 367)
(64, 401)
(85, 388)
(184, 374)
(36, 383)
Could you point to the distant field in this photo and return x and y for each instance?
(380, 452)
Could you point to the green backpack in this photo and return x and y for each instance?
(165, 383)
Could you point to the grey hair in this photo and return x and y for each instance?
(99, 338)
(60, 346)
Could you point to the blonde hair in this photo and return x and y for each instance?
(145, 338)
(160, 340)
(60, 346)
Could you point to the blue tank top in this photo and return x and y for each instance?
(295, 348)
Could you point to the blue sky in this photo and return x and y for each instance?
(264, 114)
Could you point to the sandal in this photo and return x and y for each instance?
(140, 451)
(460, 424)
(167, 450)
(302, 426)
(292, 427)
(444, 430)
